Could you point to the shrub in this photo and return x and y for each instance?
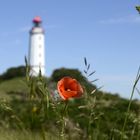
(13, 72)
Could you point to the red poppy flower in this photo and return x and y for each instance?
(69, 88)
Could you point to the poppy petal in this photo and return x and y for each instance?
(69, 88)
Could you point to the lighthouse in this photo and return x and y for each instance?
(37, 48)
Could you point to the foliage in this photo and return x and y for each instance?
(13, 72)
(94, 116)
(8, 134)
(138, 9)
(62, 72)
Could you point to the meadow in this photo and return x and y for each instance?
(30, 109)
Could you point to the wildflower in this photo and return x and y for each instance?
(34, 109)
(69, 88)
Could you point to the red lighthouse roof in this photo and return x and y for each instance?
(37, 19)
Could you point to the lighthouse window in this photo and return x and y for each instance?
(39, 46)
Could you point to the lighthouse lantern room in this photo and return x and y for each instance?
(37, 48)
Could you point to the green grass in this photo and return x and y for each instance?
(13, 85)
(94, 117)
(6, 134)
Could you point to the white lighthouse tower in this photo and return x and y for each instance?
(37, 48)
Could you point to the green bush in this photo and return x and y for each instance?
(13, 72)
(74, 73)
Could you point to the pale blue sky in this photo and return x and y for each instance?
(106, 32)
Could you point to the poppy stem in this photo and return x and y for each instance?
(63, 119)
(65, 109)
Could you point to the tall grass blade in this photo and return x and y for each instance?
(91, 73)
(94, 80)
(85, 71)
(88, 66)
(137, 90)
(85, 60)
(130, 101)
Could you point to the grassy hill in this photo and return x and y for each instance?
(14, 85)
(98, 116)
